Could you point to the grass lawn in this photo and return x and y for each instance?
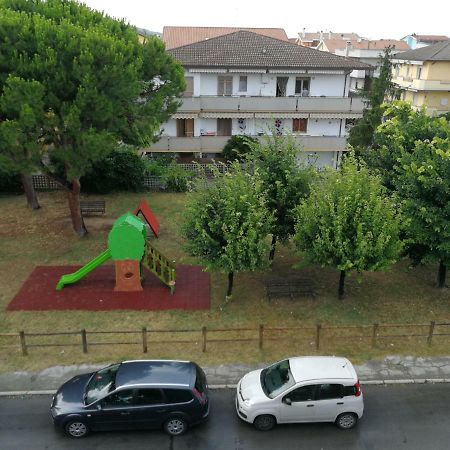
(45, 237)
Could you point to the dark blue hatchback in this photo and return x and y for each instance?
(133, 395)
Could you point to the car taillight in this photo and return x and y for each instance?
(200, 397)
(357, 387)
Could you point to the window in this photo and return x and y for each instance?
(329, 391)
(223, 127)
(185, 127)
(277, 378)
(149, 397)
(225, 86)
(302, 86)
(397, 70)
(178, 395)
(121, 398)
(299, 125)
(281, 86)
(189, 91)
(407, 70)
(101, 383)
(419, 72)
(414, 101)
(303, 394)
(243, 84)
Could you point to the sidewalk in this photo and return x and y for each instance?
(393, 369)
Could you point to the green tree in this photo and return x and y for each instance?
(21, 122)
(226, 223)
(286, 179)
(238, 147)
(349, 222)
(101, 86)
(361, 134)
(423, 181)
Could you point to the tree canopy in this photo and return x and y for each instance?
(348, 222)
(100, 85)
(226, 223)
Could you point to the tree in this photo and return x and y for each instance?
(21, 121)
(237, 147)
(285, 178)
(349, 222)
(226, 223)
(101, 86)
(361, 134)
(423, 181)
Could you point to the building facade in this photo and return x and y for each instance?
(424, 77)
(422, 40)
(245, 83)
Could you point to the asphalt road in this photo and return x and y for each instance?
(396, 417)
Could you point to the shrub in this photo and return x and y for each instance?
(237, 147)
(10, 182)
(121, 170)
(176, 179)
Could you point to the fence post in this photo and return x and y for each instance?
(84, 340)
(430, 332)
(144, 339)
(261, 335)
(318, 328)
(374, 334)
(203, 339)
(23, 344)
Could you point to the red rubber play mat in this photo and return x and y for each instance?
(95, 292)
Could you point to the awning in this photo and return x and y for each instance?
(335, 115)
(185, 116)
(227, 115)
(275, 115)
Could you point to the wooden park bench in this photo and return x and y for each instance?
(92, 207)
(289, 288)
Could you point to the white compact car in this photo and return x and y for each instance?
(301, 389)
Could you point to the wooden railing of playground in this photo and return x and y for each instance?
(317, 336)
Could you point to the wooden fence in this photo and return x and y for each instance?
(318, 335)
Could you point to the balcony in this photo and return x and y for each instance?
(215, 144)
(272, 104)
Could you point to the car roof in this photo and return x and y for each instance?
(156, 372)
(305, 368)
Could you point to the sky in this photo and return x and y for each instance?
(372, 19)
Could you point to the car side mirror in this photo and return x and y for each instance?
(287, 401)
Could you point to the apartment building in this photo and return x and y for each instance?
(247, 83)
(422, 40)
(423, 75)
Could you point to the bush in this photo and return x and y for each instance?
(237, 147)
(121, 170)
(176, 179)
(158, 165)
(10, 182)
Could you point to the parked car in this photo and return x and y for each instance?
(171, 395)
(301, 389)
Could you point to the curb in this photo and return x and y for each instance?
(233, 386)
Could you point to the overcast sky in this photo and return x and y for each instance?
(374, 19)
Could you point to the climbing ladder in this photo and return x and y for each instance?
(160, 266)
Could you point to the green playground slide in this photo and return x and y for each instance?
(71, 278)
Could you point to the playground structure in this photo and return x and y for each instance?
(131, 250)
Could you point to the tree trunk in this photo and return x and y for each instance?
(272, 248)
(442, 274)
(30, 193)
(341, 285)
(230, 283)
(75, 210)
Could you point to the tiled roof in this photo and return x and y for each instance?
(431, 37)
(435, 52)
(327, 35)
(178, 36)
(380, 44)
(244, 49)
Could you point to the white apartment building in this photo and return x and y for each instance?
(246, 83)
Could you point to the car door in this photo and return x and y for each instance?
(330, 401)
(150, 409)
(114, 411)
(299, 405)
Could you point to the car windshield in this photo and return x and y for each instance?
(100, 384)
(277, 378)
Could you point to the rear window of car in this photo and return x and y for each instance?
(349, 390)
(200, 380)
(178, 395)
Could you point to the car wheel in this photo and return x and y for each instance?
(76, 428)
(346, 421)
(175, 426)
(264, 423)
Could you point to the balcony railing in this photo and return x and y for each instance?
(215, 144)
(272, 104)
